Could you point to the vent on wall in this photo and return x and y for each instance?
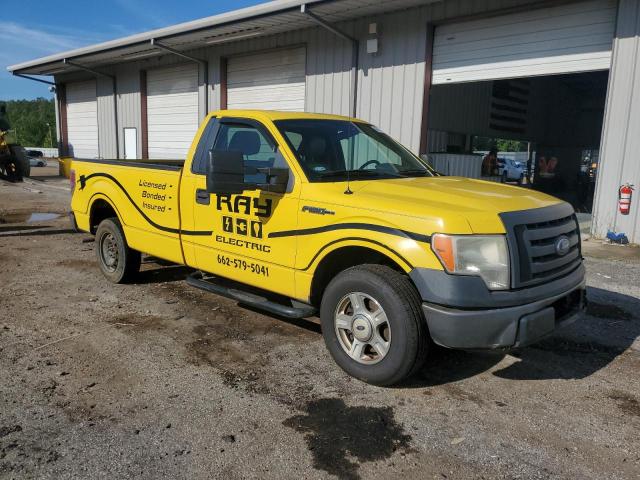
(509, 105)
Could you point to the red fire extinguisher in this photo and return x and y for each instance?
(624, 198)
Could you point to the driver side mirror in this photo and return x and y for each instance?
(225, 172)
(276, 180)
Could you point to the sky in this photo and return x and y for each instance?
(30, 29)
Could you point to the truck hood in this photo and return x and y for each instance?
(477, 201)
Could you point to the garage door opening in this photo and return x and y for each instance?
(172, 110)
(271, 80)
(544, 132)
(82, 119)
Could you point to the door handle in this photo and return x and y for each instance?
(203, 197)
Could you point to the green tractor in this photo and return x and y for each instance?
(14, 164)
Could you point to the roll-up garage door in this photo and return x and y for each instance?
(172, 110)
(273, 80)
(568, 38)
(82, 119)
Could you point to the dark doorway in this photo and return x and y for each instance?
(549, 127)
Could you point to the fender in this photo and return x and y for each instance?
(357, 242)
(102, 196)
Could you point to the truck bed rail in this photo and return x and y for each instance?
(175, 165)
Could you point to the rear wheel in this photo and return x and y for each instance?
(373, 325)
(117, 261)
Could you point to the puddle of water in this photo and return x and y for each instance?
(28, 217)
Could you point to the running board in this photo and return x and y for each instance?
(236, 292)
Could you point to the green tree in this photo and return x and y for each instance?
(500, 144)
(511, 145)
(33, 121)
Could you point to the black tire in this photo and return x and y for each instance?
(23, 167)
(505, 177)
(117, 261)
(396, 295)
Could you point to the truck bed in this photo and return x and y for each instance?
(144, 194)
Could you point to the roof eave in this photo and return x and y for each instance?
(270, 8)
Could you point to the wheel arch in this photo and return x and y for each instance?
(100, 208)
(337, 258)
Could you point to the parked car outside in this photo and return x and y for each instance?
(35, 153)
(37, 162)
(510, 169)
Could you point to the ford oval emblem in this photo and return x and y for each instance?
(562, 245)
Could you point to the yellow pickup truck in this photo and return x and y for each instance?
(299, 214)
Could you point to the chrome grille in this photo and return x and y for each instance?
(532, 237)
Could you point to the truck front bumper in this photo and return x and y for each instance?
(505, 327)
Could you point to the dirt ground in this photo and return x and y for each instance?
(159, 380)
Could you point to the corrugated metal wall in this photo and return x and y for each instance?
(620, 147)
(106, 118)
(456, 164)
(128, 105)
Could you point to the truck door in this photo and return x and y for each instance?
(239, 246)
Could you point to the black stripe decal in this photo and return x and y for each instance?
(360, 239)
(84, 179)
(418, 237)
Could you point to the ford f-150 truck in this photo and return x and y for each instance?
(299, 213)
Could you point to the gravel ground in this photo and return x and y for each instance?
(159, 380)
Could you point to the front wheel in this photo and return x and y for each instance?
(373, 325)
(117, 261)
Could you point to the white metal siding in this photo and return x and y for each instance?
(457, 164)
(273, 80)
(128, 104)
(568, 38)
(82, 119)
(106, 118)
(619, 162)
(172, 110)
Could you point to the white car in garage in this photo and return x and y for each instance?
(510, 169)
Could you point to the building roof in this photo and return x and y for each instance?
(260, 20)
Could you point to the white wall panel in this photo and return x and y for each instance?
(172, 110)
(129, 115)
(619, 159)
(82, 119)
(106, 118)
(270, 80)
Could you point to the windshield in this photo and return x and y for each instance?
(334, 150)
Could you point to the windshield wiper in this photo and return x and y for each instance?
(358, 173)
(415, 171)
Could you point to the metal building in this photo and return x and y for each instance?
(383, 61)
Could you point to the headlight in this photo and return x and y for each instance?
(486, 256)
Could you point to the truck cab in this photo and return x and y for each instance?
(305, 214)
